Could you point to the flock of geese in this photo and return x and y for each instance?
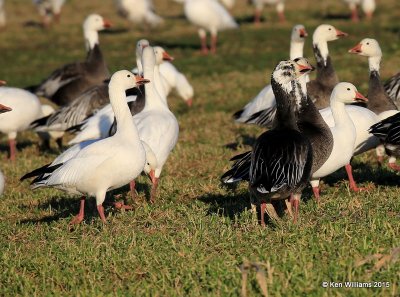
(123, 123)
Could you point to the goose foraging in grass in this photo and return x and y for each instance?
(68, 82)
(208, 15)
(92, 171)
(368, 7)
(379, 101)
(266, 99)
(139, 12)
(26, 108)
(281, 160)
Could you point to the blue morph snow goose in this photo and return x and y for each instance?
(281, 160)
(92, 170)
(68, 82)
(208, 15)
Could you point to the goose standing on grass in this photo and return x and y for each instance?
(3, 109)
(49, 10)
(379, 101)
(157, 125)
(392, 88)
(208, 15)
(266, 99)
(26, 108)
(100, 124)
(2, 14)
(67, 83)
(139, 12)
(281, 160)
(92, 171)
(259, 5)
(344, 135)
(368, 7)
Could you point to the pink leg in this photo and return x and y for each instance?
(132, 186)
(57, 17)
(13, 148)
(295, 201)
(262, 217)
(214, 39)
(257, 17)
(353, 185)
(154, 190)
(368, 16)
(100, 209)
(281, 16)
(204, 48)
(189, 102)
(79, 217)
(380, 160)
(316, 194)
(354, 15)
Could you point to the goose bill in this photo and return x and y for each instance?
(360, 97)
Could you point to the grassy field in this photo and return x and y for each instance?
(197, 237)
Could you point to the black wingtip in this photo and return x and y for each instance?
(35, 172)
(237, 114)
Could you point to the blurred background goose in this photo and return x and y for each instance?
(49, 10)
(140, 12)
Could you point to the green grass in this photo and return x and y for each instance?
(194, 239)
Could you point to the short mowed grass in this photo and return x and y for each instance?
(194, 239)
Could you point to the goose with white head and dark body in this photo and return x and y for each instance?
(379, 101)
(68, 82)
(70, 117)
(91, 170)
(280, 164)
(266, 99)
(319, 90)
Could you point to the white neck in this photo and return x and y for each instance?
(296, 49)
(122, 113)
(153, 99)
(340, 115)
(374, 63)
(91, 38)
(139, 65)
(158, 84)
(323, 49)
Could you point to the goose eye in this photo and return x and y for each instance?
(330, 29)
(367, 43)
(128, 75)
(348, 89)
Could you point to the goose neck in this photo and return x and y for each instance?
(321, 52)
(91, 38)
(296, 49)
(339, 113)
(374, 63)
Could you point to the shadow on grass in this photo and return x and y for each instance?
(65, 207)
(115, 31)
(34, 24)
(247, 20)
(245, 140)
(177, 45)
(336, 16)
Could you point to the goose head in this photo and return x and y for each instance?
(325, 33)
(151, 160)
(287, 71)
(161, 55)
(367, 47)
(95, 22)
(4, 108)
(299, 33)
(347, 93)
(126, 80)
(140, 45)
(303, 66)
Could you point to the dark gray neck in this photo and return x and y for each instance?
(326, 74)
(378, 100)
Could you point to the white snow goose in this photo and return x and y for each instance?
(208, 15)
(344, 134)
(92, 170)
(259, 5)
(379, 100)
(392, 88)
(68, 82)
(281, 160)
(139, 12)
(49, 10)
(3, 109)
(265, 100)
(157, 125)
(26, 108)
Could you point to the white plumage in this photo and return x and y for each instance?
(139, 12)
